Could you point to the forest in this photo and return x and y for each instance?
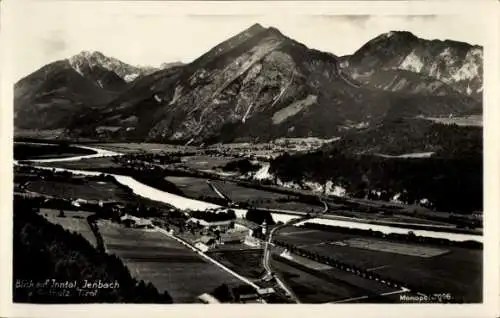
(258, 216)
(44, 251)
(450, 184)
(242, 166)
(214, 217)
(404, 136)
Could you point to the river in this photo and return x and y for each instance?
(181, 202)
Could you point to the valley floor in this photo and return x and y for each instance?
(169, 265)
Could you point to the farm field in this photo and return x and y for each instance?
(430, 269)
(194, 187)
(147, 147)
(74, 221)
(309, 263)
(389, 218)
(291, 206)
(83, 164)
(91, 190)
(247, 263)
(472, 120)
(49, 134)
(87, 190)
(205, 162)
(322, 286)
(154, 257)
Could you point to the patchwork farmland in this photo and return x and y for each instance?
(429, 269)
(245, 262)
(154, 257)
(87, 190)
(314, 284)
(192, 186)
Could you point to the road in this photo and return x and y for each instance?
(266, 263)
(267, 252)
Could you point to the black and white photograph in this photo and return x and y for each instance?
(263, 156)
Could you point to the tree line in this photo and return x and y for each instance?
(42, 250)
(258, 216)
(450, 184)
(411, 237)
(410, 135)
(242, 166)
(214, 217)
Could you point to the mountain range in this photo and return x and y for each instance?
(257, 85)
(456, 64)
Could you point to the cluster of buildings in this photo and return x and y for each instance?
(219, 233)
(135, 222)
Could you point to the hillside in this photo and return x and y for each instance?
(49, 96)
(430, 181)
(64, 256)
(257, 86)
(400, 137)
(456, 64)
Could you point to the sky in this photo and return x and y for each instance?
(155, 33)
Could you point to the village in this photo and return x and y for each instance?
(242, 235)
(215, 231)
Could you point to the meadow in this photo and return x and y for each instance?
(429, 269)
(197, 187)
(168, 265)
(323, 286)
(139, 147)
(74, 221)
(87, 190)
(244, 262)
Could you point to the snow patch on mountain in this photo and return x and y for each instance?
(470, 67)
(76, 67)
(412, 63)
(130, 77)
(93, 58)
(446, 54)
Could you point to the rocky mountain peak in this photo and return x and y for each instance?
(260, 84)
(454, 63)
(256, 27)
(92, 59)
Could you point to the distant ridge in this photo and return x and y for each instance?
(260, 85)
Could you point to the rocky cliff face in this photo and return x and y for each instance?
(256, 86)
(258, 78)
(50, 96)
(260, 85)
(456, 64)
(88, 62)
